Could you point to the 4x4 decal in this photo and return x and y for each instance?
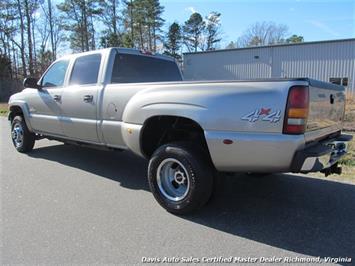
(263, 114)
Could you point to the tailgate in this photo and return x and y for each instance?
(326, 109)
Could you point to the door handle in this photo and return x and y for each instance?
(57, 98)
(332, 98)
(88, 98)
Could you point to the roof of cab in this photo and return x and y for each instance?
(123, 50)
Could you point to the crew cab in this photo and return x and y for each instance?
(125, 99)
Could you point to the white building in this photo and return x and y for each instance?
(331, 61)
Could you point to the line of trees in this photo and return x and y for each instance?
(34, 32)
(265, 33)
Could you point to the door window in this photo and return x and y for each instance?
(55, 75)
(86, 70)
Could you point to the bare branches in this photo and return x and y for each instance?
(32, 32)
(263, 33)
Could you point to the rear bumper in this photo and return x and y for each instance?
(320, 156)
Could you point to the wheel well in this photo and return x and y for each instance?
(161, 130)
(14, 111)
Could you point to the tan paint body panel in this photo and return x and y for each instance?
(118, 112)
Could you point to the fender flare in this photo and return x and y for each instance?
(25, 111)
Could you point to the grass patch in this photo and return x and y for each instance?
(349, 158)
(349, 119)
(3, 109)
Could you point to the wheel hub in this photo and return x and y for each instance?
(173, 179)
(17, 134)
(179, 177)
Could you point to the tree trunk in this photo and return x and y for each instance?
(4, 45)
(34, 47)
(29, 37)
(93, 45)
(22, 47)
(114, 20)
(15, 61)
(149, 38)
(141, 37)
(85, 28)
(197, 41)
(50, 18)
(154, 40)
(132, 23)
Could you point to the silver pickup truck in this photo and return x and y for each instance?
(124, 99)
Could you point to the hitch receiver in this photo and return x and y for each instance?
(334, 169)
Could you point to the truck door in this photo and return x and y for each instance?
(45, 104)
(80, 99)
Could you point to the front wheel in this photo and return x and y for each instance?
(180, 177)
(22, 138)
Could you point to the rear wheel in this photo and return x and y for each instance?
(259, 175)
(22, 138)
(180, 177)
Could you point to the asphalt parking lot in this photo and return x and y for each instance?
(65, 204)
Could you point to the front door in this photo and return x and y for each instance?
(45, 104)
(80, 100)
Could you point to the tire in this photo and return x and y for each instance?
(193, 175)
(22, 138)
(259, 175)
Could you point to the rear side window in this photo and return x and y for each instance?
(55, 75)
(130, 68)
(86, 70)
(335, 81)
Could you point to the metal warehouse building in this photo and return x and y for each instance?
(332, 61)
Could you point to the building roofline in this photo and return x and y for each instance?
(270, 46)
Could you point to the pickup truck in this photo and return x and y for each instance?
(126, 99)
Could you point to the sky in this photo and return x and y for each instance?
(315, 20)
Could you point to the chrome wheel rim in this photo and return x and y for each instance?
(17, 135)
(173, 179)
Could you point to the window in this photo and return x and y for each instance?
(335, 81)
(130, 68)
(86, 70)
(339, 81)
(55, 75)
(345, 82)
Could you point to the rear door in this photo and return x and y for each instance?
(130, 68)
(80, 99)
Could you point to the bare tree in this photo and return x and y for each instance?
(9, 30)
(22, 45)
(29, 36)
(213, 30)
(263, 33)
(51, 26)
(231, 45)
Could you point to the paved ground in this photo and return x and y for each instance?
(64, 204)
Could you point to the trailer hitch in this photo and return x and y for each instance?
(334, 169)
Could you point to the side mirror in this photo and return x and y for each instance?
(31, 83)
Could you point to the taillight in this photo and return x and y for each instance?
(296, 110)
